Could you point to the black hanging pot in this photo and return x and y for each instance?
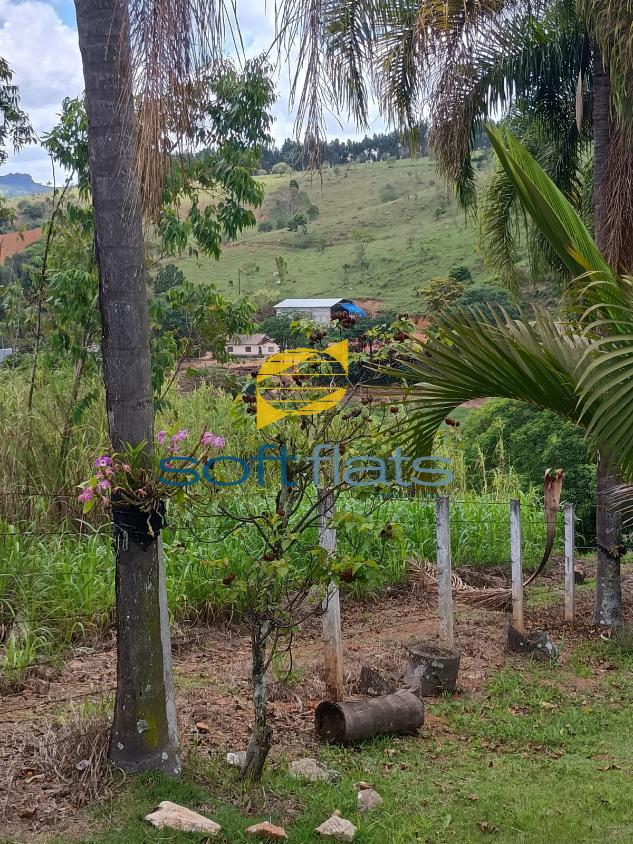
(143, 527)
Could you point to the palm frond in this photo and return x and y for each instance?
(171, 42)
(514, 57)
(479, 354)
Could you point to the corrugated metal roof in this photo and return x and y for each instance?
(309, 303)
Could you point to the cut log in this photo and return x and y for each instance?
(538, 643)
(432, 670)
(346, 723)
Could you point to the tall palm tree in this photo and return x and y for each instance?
(467, 61)
(148, 52)
(580, 371)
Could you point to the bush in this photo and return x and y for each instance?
(281, 168)
(312, 211)
(265, 226)
(507, 433)
(440, 292)
(461, 273)
(389, 192)
(488, 295)
(262, 172)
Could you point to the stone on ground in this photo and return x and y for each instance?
(338, 828)
(368, 799)
(267, 831)
(310, 769)
(173, 816)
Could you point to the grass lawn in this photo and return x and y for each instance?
(545, 754)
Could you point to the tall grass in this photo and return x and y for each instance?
(57, 571)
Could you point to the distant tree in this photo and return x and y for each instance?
(281, 168)
(278, 328)
(461, 273)
(298, 223)
(167, 277)
(441, 292)
(362, 238)
(488, 294)
(312, 211)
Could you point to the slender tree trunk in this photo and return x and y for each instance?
(262, 735)
(144, 731)
(607, 610)
(608, 605)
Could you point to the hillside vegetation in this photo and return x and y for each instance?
(382, 230)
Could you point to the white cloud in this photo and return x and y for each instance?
(43, 54)
(39, 40)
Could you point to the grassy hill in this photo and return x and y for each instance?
(412, 231)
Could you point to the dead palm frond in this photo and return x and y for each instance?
(173, 42)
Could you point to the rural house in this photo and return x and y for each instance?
(319, 310)
(251, 346)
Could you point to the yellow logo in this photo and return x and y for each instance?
(290, 394)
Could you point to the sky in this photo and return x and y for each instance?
(38, 38)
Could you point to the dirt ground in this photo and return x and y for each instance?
(212, 686)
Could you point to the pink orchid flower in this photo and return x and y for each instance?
(86, 495)
(103, 461)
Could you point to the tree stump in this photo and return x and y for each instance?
(373, 684)
(538, 643)
(432, 670)
(346, 723)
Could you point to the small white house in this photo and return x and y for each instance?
(319, 310)
(5, 353)
(251, 346)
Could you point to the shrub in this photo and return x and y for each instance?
(440, 292)
(265, 226)
(281, 168)
(514, 434)
(388, 193)
(488, 295)
(461, 273)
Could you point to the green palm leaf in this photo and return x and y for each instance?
(477, 354)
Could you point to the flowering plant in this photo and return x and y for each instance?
(131, 478)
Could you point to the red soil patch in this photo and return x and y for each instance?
(14, 242)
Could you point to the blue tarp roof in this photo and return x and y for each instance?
(353, 309)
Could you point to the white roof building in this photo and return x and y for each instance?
(320, 310)
(251, 346)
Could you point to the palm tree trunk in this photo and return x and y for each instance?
(608, 606)
(144, 732)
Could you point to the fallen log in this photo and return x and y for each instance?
(345, 723)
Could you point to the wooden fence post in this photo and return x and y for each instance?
(517, 569)
(570, 580)
(332, 637)
(444, 573)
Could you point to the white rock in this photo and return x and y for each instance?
(173, 816)
(237, 759)
(310, 769)
(338, 828)
(368, 799)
